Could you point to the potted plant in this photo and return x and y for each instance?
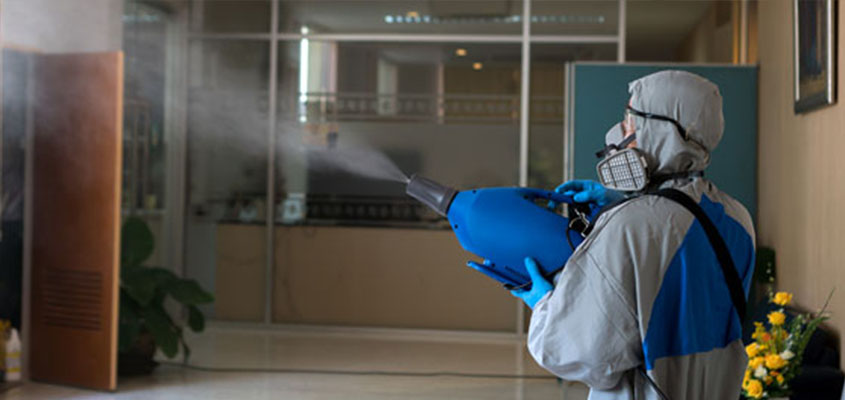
(774, 358)
(145, 323)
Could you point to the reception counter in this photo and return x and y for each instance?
(357, 276)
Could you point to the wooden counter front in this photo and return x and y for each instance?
(404, 278)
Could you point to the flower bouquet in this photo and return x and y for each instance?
(774, 358)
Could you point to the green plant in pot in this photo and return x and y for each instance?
(145, 323)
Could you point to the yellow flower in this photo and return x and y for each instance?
(768, 380)
(773, 361)
(755, 389)
(746, 379)
(782, 298)
(779, 378)
(758, 330)
(756, 362)
(776, 318)
(752, 349)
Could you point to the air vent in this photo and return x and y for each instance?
(72, 298)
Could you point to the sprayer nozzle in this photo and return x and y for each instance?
(431, 193)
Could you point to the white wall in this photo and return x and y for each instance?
(800, 181)
(62, 26)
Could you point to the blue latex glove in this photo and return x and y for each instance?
(539, 285)
(587, 191)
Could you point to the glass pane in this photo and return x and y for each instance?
(144, 44)
(545, 157)
(347, 110)
(228, 16)
(145, 139)
(227, 173)
(659, 30)
(576, 17)
(447, 111)
(394, 16)
(13, 136)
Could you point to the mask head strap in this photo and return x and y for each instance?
(616, 147)
(681, 130)
(658, 180)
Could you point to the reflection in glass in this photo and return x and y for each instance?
(145, 139)
(405, 16)
(548, 61)
(659, 30)
(574, 17)
(422, 105)
(230, 16)
(227, 173)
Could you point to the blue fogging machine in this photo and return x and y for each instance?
(504, 225)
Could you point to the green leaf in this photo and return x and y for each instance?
(143, 292)
(195, 319)
(189, 292)
(139, 283)
(163, 276)
(136, 242)
(164, 332)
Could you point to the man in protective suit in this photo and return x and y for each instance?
(644, 308)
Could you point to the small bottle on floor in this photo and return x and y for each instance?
(13, 357)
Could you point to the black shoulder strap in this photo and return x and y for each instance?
(719, 246)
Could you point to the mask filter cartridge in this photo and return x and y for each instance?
(624, 170)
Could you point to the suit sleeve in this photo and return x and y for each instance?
(585, 330)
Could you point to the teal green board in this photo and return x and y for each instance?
(600, 93)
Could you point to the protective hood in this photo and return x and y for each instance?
(687, 98)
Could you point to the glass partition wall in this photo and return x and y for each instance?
(148, 129)
(238, 111)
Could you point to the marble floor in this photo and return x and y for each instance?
(245, 363)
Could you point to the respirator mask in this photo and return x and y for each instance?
(626, 169)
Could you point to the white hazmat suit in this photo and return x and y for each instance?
(645, 289)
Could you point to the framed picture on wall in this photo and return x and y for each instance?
(815, 53)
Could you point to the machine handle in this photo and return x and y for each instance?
(553, 197)
(534, 193)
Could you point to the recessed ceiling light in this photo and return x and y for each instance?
(416, 18)
(477, 66)
(460, 52)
